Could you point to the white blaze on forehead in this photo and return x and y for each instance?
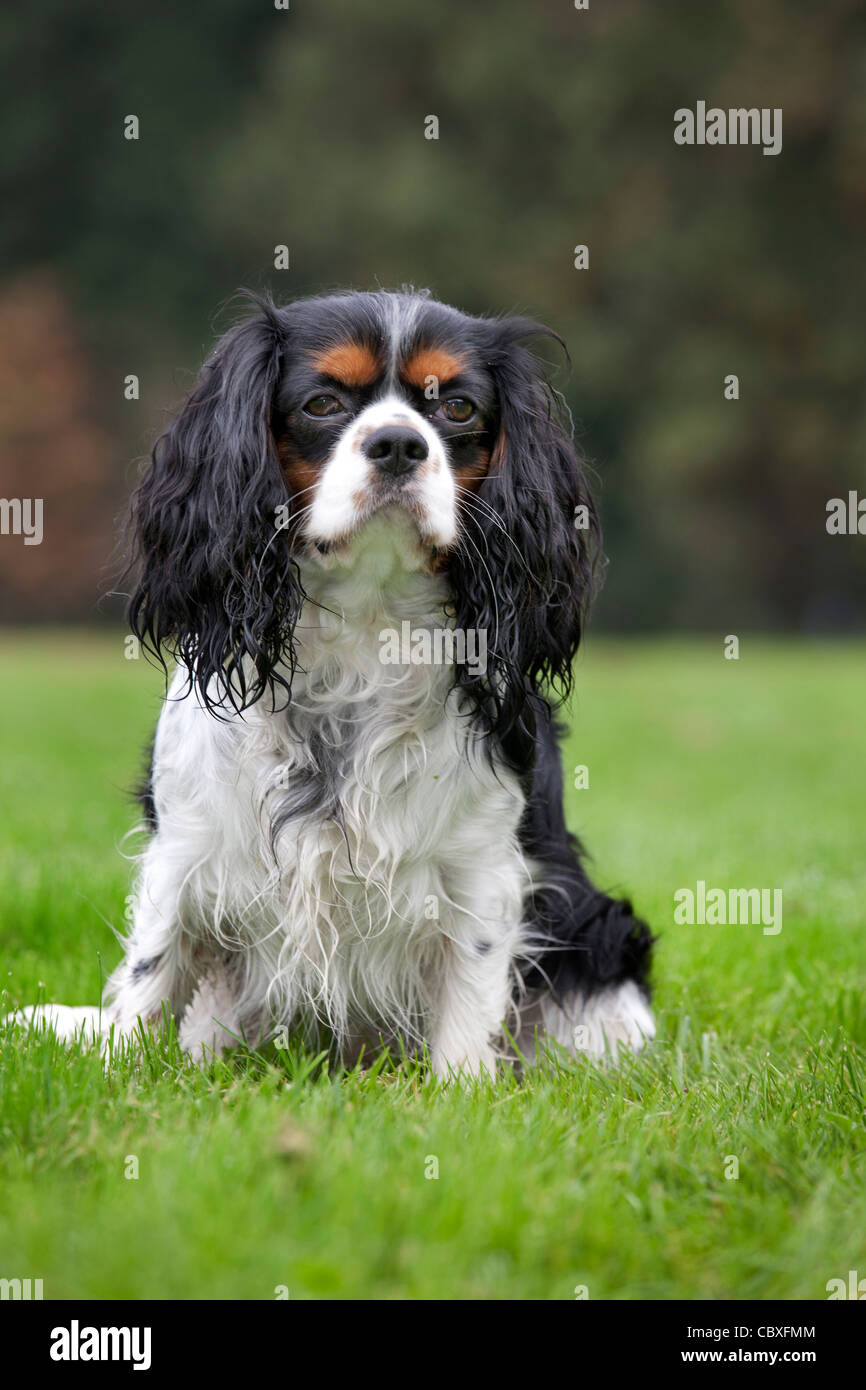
(348, 486)
(402, 317)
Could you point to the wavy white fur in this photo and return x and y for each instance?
(405, 906)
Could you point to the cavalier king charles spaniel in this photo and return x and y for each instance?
(369, 543)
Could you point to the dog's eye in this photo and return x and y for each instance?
(320, 406)
(458, 408)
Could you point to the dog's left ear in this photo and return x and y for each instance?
(525, 573)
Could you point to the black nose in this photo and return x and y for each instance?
(396, 449)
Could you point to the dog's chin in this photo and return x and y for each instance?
(398, 534)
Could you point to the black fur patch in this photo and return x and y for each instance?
(143, 792)
(586, 940)
(315, 789)
(144, 967)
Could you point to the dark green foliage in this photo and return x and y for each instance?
(261, 127)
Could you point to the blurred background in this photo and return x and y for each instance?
(305, 127)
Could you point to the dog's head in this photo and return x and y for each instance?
(310, 419)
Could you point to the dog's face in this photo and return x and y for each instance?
(312, 418)
(383, 401)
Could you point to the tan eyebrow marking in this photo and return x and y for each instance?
(431, 362)
(354, 364)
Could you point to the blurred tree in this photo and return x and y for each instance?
(55, 450)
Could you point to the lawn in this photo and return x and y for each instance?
(727, 1162)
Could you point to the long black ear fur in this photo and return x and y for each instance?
(215, 582)
(525, 571)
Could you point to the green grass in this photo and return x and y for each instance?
(277, 1171)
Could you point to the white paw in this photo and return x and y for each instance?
(89, 1024)
(210, 1023)
(465, 1068)
(595, 1027)
(617, 1018)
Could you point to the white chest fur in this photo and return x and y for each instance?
(357, 848)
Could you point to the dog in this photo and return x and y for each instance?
(369, 544)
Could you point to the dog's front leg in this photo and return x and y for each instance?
(473, 1001)
(157, 971)
(482, 911)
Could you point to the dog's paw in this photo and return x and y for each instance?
(210, 1024)
(600, 1026)
(616, 1018)
(67, 1022)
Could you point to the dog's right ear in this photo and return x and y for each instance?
(215, 582)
